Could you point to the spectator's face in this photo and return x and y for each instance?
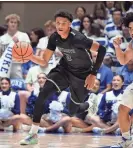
(12, 25)
(33, 37)
(131, 29)
(49, 30)
(117, 83)
(5, 85)
(96, 86)
(62, 26)
(117, 17)
(110, 4)
(41, 79)
(130, 65)
(99, 12)
(107, 61)
(86, 23)
(80, 13)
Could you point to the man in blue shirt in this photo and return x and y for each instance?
(105, 75)
(127, 72)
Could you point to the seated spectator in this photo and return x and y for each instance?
(9, 106)
(13, 22)
(49, 29)
(35, 35)
(79, 12)
(52, 121)
(105, 75)
(127, 72)
(97, 35)
(26, 96)
(31, 78)
(108, 60)
(114, 28)
(110, 6)
(100, 15)
(106, 120)
(52, 109)
(86, 25)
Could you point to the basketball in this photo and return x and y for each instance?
(22, 52)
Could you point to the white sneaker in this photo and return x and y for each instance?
(124, 144)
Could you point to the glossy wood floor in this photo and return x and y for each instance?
(11, 140)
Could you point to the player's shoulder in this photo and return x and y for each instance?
(54, 35)
(77, 35)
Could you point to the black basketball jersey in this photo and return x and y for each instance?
(75, 49)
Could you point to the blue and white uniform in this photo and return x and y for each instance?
(9, 104)
(108, 107)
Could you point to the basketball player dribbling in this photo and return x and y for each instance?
(127, 99)
(75, 70)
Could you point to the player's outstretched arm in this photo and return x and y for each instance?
(123, 57)
(43, 61)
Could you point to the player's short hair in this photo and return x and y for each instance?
(128, 19)
(50, 23)
(12, 16)
(64, 14)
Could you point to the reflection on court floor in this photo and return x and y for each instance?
(11, 140)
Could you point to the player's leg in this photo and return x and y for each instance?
(58, 77)
(124, 118)
(78, 95)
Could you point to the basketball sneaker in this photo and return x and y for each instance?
(98, 130)
(124, 144)
(117, 132)
(29, 140)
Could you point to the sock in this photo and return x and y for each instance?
(34, 129)
(126, 135)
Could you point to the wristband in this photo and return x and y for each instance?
(93, 71)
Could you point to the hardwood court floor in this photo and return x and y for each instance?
(11, 140)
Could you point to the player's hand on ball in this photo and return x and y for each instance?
(117, 41)
(89, 82)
